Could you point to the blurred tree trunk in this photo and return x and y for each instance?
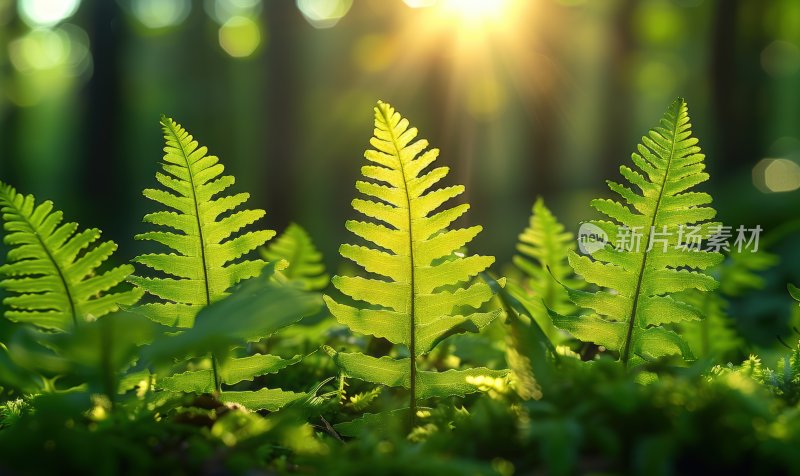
(736, 82)
(619, 108)
(283, 123)
(103, 188)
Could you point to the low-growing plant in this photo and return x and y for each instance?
(426, 294)
(208, 363)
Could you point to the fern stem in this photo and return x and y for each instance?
(171, 128)
(632, 321)
(412, 347)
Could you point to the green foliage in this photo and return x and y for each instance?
(215, 373)
(52, 269)
(423, 298)
(11, 411)
(716, 335)
(208, 246)
(527, 346)
(630, 312)
(783, 381)
(305, 268)
(95, 357)
(542, 257)
(794, 291)
(256, 309)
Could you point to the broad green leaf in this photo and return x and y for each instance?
(257, 308)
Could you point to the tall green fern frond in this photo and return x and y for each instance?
(542, 258)
(629, 313)
(425, 291)
(206, 242)
(204, 238)
(305, 267)
(52, 268)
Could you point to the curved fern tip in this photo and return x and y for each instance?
(678, 104)
(384, 109)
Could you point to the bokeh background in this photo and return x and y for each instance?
(523, 97)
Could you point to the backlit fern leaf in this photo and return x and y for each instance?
(52, 268)
(629, 312)
(426, 292)
(305, 267)
(205, 242)
(542, 257)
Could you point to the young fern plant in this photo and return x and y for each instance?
(52, 268)
(423, 294)
(206, 241)
(542, 258)
(638, 277)
(305, 268)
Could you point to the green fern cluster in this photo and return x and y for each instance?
(201, 307)
(784, 380)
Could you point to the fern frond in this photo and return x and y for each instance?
(305, 268)
(52, 268)
(202, 230)
(206, 240)
(425, 291)
(629, 313)
(542, 257)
